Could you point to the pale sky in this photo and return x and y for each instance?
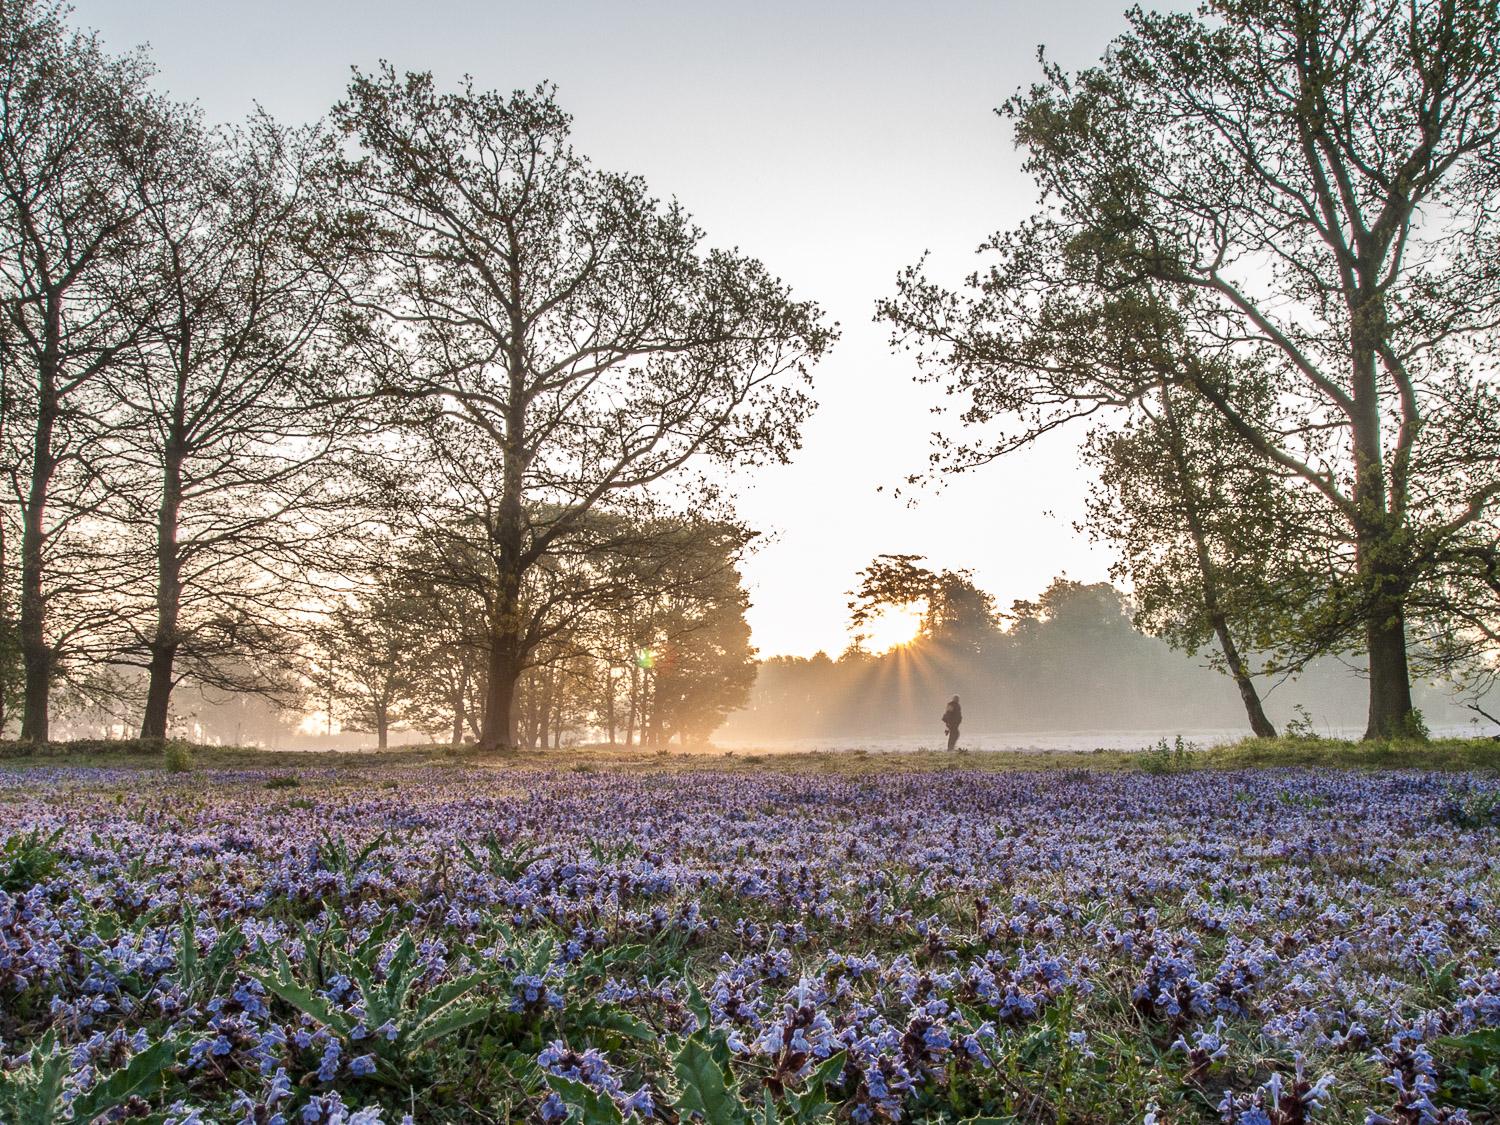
(836, 141)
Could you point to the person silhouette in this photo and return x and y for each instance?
(953, 715)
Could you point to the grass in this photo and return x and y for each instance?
(1470, 754)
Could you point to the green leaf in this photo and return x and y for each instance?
(30, 1095)
(375, 939)
(707, 1089)
(589, 1107)
(446, 993)
(696, 1003)
(187, 956)
(141, 1074)
(283, 984)
(447, 1022)
(826, 1072)
(605, 1018)
(1482, 1045)
(222, 955)
(811, 1102)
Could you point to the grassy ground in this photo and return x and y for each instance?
(1481, 754)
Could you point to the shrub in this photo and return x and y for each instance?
(1166, 757)
(284, 781)
(1300, 725)
(177, 757)
(1414, 727)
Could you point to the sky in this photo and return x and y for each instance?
(835, 141)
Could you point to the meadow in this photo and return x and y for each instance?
(1269, 933)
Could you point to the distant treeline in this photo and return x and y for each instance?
(1071, 660)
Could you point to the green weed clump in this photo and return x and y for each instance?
(1473, 1079)
(177, 757)
(1472, 809)
(1167, 757)
(27, 859)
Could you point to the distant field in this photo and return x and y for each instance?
(608, 937)
(1140, 751)
(1031, 742)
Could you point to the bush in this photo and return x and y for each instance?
(1300, 725)
(1474, 1077)
(1414, 727)
(1166, 757)
(284, 781)
(177, 757)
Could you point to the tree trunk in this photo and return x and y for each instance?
(542, 705)
(458, 718)
(1391, 712)
(634, 710)
(498, 731)
(1208, 573)
(460, 698)
(5, 617)
(650, 715)
(1377, 531)
(507, 536)
(609, 703)
(36, 654)
(1260, 725)
(164, 641)
(534, 719)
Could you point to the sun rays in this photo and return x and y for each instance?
(892, 627)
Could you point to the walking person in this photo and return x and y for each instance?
(953, 715)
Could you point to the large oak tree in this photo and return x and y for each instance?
(566, 320)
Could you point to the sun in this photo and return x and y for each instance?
(892, 627)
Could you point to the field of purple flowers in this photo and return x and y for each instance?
(454, 944)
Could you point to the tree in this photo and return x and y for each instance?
(1190, 511)
(12, 670)
(1305, 189)
(561, 317)
(1074, 646)
(369, 657)
(223, 434)
(955, 612)
(693, 642)
(450, 636)
(77, 126)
